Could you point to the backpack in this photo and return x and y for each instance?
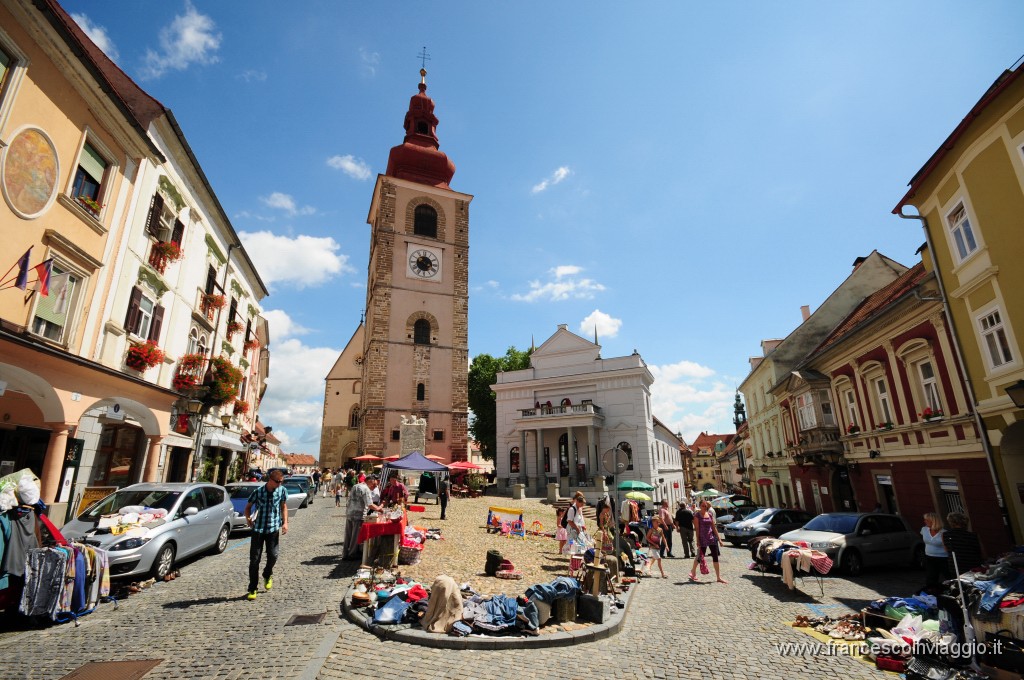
(565, 518)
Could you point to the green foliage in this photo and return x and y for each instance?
(225, 381)
(482, 374)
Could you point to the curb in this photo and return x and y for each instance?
(418, 636)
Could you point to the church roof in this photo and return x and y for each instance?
(419, 158)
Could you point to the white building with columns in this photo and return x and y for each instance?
(571, 394)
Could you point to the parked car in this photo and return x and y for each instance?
(770, 522)
(306, 482)
(297, 494)
(728, 516)
(198, 518)
(239, 493)
(857, 540)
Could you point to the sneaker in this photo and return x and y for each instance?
(269, 583)
(251, 595)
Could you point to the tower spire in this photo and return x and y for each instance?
(419, 158)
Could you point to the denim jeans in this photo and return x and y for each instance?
(256, 543)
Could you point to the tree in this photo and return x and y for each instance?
(482, 374)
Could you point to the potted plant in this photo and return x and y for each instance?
(251, 344)
(169, 250)
(189, 372)
(90, 204)
(234, 327)
(930, 414)
(887, 425)
(241, 407)
(214, 300)
(225, 378)
(143, 356)
(853, 428)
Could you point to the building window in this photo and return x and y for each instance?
(421, 332)
(805, 411)
(13, 65)
(929, 386)
(851, 407)
(52, 319)
(993, 335)
(827, 417)
(513, 460)
(962, 232)
(353, 417)
(421, 392)
(144, 317)
(395, 435)
(884, 408)
(438, 435)
(629, 453)
(425, 221)
(87, 187)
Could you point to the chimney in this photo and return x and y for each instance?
(858, 262)
(805, 312)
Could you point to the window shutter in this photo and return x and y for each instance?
(154, 326)
(178, 233)
(153, 221)
(131, 320)
(211, 280)
(233, 310)
(248, 330)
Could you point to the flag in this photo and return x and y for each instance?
(59, 286)
(43, 270)
(23, 269)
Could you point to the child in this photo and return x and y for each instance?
(338, 486)
(655, 537)
(561, 534)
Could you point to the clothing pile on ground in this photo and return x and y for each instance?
(846, 627)
(788, 557)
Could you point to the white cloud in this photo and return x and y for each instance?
(370, 61)
(190, 39)
(690, 398)
(302, 261)
(556, 177)
(563, 287)
(98, 34)
(294, 402)
(253, 76)
(607, 326)
(282, 326)
(356, 168)
(287, 203)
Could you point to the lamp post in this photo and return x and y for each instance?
(195, 410)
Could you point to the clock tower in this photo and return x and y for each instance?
(415, 358)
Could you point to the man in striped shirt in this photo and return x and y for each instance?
(271, 520)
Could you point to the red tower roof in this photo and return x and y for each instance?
(418, 158)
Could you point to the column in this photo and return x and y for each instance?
(54, 462)
(574, 456)
(593, 459)
(524, 461)
(538, 434)
(152, 458)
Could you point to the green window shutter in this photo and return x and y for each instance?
(92, 162)
(45, 308)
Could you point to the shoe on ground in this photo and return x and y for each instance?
(269, 583)
(251, 595)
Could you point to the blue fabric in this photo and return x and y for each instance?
(993, 591)
(560, 588)
(502, 610)
(5, 537)
(393, 611)
(78, 601)
(267, 505)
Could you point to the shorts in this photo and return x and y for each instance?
(562, 534)
(713, 548)
(654, 553)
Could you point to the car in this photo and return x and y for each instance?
(296, 493)
(239, 493)
(856, 540)
(769, 522)
(306, 481)
(198, 518)
(728, 516)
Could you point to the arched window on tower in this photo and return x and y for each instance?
(422, 127)
(421, 332)
(421, 392)
(353, 417)
(425, 221)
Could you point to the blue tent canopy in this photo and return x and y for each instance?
(415, 461)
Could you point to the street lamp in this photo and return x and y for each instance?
(1016, 393)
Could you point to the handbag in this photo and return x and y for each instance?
(1004, 651)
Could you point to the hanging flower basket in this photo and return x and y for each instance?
(241, 407)
(143, 356)
(224, 380)
(189, 373)
(214, 300)
(234, 327)
(251, 344)
(853, 429)
(169, 250)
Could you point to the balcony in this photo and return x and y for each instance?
(576, 415)
(547, 411)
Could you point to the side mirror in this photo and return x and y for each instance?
(191, 512)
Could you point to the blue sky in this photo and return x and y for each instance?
(683, 176)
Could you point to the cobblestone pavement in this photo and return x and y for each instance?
(202, 627)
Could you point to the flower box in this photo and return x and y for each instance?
(930, 414)
(91, 206)
(241, 407)
(143, 356)
(234, 327)
(883, 426)
(251, 345)
(189, 373)
(853, 429)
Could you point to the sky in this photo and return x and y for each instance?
(679, 176)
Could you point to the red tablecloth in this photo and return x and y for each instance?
(376, 529)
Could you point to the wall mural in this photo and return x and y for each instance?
(30, 172)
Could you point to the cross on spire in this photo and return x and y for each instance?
(423, 57)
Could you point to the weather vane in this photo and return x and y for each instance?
(424, 57)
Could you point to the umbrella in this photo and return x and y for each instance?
(634, 485)
(637, 496)
(464, 465)
(366, 457)
(708, 493)
(390, 458)
(434, 457)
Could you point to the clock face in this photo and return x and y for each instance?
(424, 264)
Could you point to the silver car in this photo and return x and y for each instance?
(198, 518)
(857, 540)
(239, 493)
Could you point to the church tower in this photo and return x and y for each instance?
(416, 349)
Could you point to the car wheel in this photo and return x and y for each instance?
(222, 540)
(304, 503)
(918, 561)
(736, 544)
(852, 563)
(164, 562)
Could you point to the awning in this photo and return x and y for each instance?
(221, 440)
(764, 481)
(175, 439)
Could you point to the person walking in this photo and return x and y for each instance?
(576, 523)
(444, 490)
(360, 500)
(707, 540)
(962, 542)
(667, 522)
(935, 554)
(316, 481)
(684, 523)
(655, 545)
(271, 521)
(326, 479)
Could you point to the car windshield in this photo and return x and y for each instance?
(242, 491)
(293, 488)
(158, 498)
(836, 524)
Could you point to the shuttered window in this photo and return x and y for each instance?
(156, 207)
(54, 311)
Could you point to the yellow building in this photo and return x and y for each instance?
(969, 197)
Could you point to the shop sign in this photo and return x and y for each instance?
(91, 494)
(115, 413)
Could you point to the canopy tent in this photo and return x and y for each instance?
(415, 462)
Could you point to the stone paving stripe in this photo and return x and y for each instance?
(113, 670)
(312, 669)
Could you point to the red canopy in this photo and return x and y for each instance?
(764, 481)
(464, 465)
(366, 456)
